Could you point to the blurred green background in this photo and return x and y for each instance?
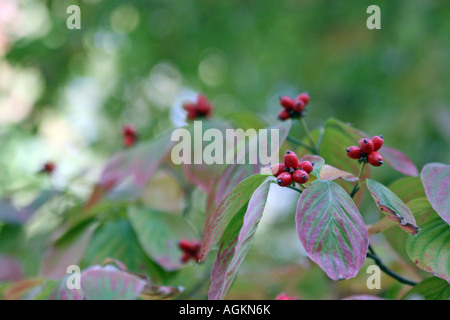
(64, 94)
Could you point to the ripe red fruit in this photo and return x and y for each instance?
(377, 142)
(300, 176)
(366, 145)
(203, 105)
(284, 179)
(184, 245)
(354, 152)
(191, 249)
(287, 102)
(284, 114)
(129, 140)
(307, 166)
(277, 169)
(375, 159)
(290, 160)
(129, 130)
(49, 167)
(304, 97)
(299, 105)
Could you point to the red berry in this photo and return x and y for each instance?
(377, 142)
(189, 106)
(304, 97)
(49, 167)
(300, 176)
(203, 105)
(307, 166)
(287, 102)
(129, 141)
(375, 159)
(185, 257)
(284, 179)
(290, 160)
(284, 115)
(299, 105)
(129, 130)
(366, 145)
(354, 152)
(192, 114)
(277, 169)
(184, 245)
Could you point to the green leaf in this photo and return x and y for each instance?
(392, 206)
(408, 188)
(159, 234)
(429, 289)
(227, 209)
(110, 283)
(430, 249)
(422, 211)
(331, 229)
(117, 240)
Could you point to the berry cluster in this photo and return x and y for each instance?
(201, 108)
(293, 108)
(292, 170)
(191, 250)
(367, 151)
(129, 135)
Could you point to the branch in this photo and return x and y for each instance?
(372, 255)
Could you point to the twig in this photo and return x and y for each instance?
(356, 187)
(308, 134)
(372, 255)
(300, 143)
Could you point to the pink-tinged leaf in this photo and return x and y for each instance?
(10, 269)
(159, 234)
(66, 252)
(236, 243)
(436, 180)
(363, 297)
(18, 290)
(331, 173)
(138, 163)
(430, 249)
(226, 211)
(63, 292)
(233, 174)
(392, 206)
(231, 177)
(399, 161)
(331, 229)
(110, 283)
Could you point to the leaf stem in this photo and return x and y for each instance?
(294, 188)
(372, 255)
(356, 187)
(308, 134)
(300, 143)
